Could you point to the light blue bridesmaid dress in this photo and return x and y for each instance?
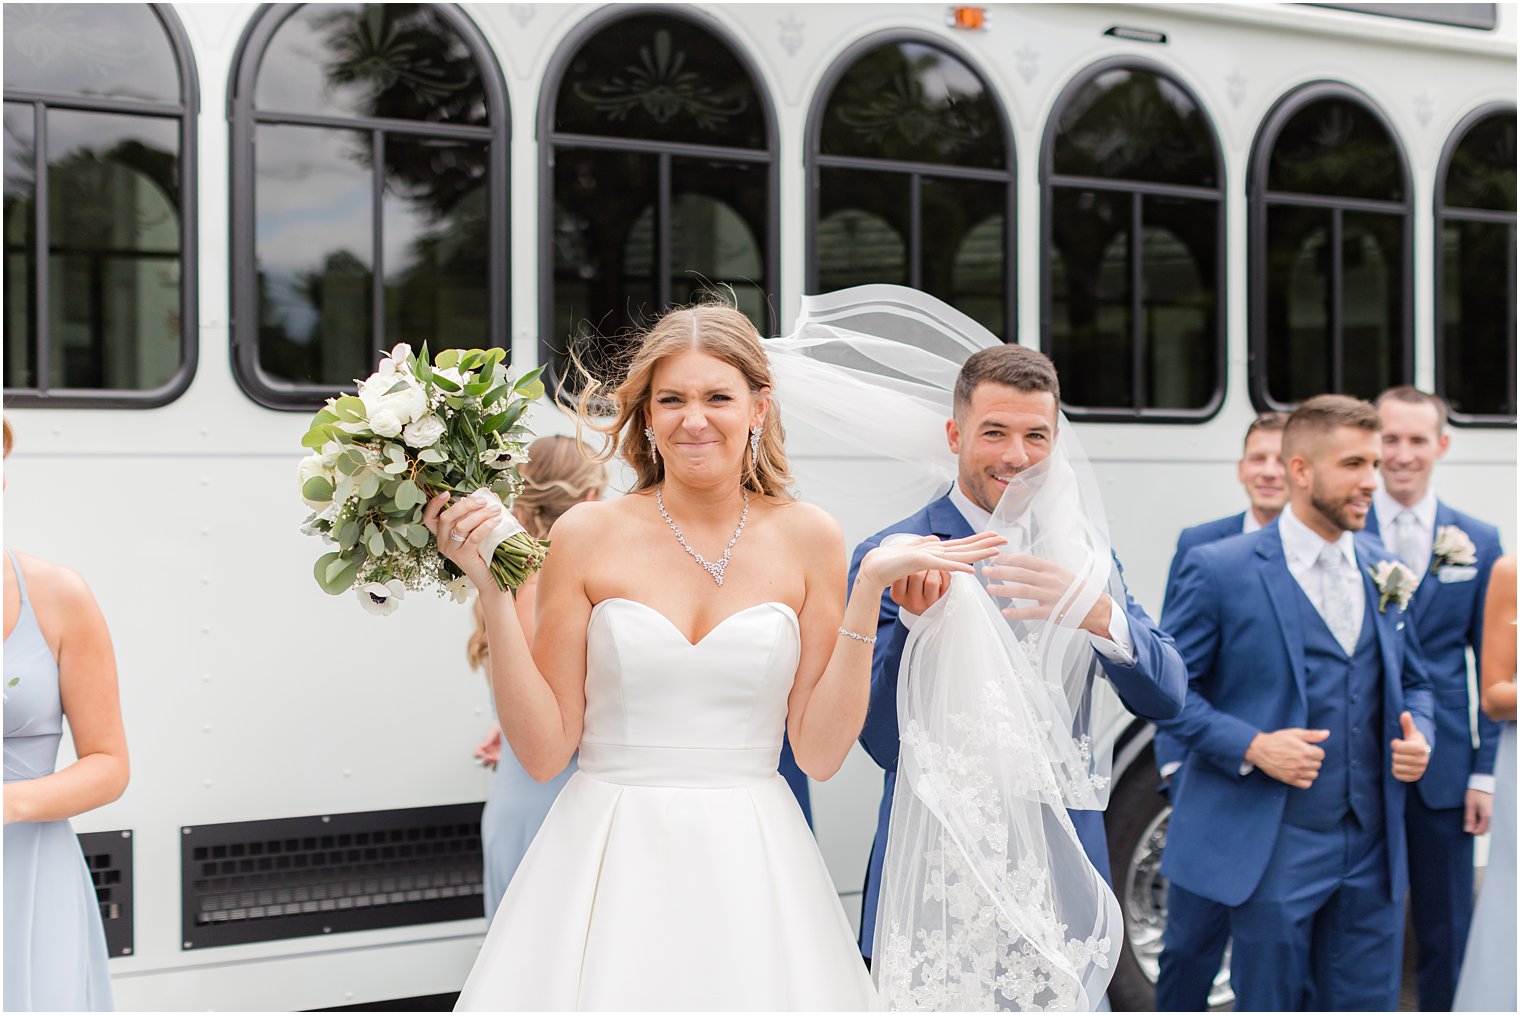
(1487, 982)
(514, 810)
(55, 946)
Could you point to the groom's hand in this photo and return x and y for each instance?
(917, 592)
(1289, 755)
(1411, 752)
(1024, 576)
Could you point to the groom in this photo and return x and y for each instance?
(1309, 708)
(1006, 414)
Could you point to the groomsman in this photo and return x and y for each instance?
(1006, 414)
(1198, 928)
(1309, 708)
(1452, 553)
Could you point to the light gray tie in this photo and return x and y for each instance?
(1409, 543)
(1338, 608)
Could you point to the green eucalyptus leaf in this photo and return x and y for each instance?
(317, 436)
(432, 455)
(418, 535)
(377, 544)
(471, 360)
(477, 388)
(445, 383)
(317, 488)
(409, 495)
(369, 486)
(348, 534)
(528, 379)
(447, 359)
(341, 578)
(350, 409)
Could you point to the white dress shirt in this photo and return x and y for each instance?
(1302, 546)
(1250, 524)
(1118, 647)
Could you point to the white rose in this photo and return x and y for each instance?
(423, 432)
(1454, 547)
(410, 402)
(311, 467)
(382, 599)
(385, 421)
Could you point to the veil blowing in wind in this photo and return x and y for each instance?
(988, 900)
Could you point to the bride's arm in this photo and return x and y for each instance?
(832, 691)
(540, 690)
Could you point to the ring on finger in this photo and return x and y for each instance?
(456, 537)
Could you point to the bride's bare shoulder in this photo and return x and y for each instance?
(596, 522)
(809, 526)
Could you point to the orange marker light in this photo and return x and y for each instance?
(971, 19)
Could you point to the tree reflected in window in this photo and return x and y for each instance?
(663, 179)
(101, 318)
(914, 180)
(1331, 281)
(1134, 272)
(377, 171)
(1475, 270)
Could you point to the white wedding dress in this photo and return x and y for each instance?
(675, 871)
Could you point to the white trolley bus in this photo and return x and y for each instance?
(214, 214)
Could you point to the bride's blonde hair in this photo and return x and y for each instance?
(722, 332)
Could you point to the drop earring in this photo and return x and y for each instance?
(754, 445)
(654, 452)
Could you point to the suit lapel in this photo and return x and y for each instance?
(1386, 622)
(947, 521)
(1281, 591)
(1429, 583)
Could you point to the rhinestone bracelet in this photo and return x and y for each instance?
(857, 637)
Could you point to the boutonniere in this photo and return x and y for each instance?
(1395, 584)
(1452, 548)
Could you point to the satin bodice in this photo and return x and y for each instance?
(661, 711)
(33, 705)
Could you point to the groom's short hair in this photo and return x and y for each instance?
(1323, 414)
(1016, 366)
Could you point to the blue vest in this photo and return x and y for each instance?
(1345, 696)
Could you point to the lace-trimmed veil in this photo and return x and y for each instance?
(988, 901)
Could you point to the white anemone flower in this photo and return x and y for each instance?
(460, 589)
(383, 599)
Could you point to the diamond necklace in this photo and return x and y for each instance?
(712, 567)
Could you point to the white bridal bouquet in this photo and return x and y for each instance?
(416, 429)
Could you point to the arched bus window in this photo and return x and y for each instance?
(100, 104)
(1475, 269)
(659, 165)
(1331, 276)
(1134, 247)
(912, 170)
(369, 181)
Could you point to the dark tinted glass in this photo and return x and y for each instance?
(1090, 297)
(20, 250)
(1338, 147)
(1477, 326)
(717, 232)
(1482, 169)
(605, 270)
(114, 50)
(964, 247)
(436, 248)
(1134, 125)
(314, 252)
(400, 61)
(1179, 252)
(1298, 339)
(660, 79)
(863, 228)
(913, 103)
(1372, 296)
(114, 246)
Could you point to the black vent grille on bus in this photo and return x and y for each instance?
(108, 855)
(293, 877)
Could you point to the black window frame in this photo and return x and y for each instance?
(1050, 179)
(916, 172)
(186, 111)
(550, 140)
(1258, 199)
(1441, 214)
(244, 120)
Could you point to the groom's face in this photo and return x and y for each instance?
(1002, 432)
(1336, 475)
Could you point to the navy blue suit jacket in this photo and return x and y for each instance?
(1448, 613)
(1167, 748)
(1240, 630)
(1153, 686)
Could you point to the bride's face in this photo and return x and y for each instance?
(702, 409)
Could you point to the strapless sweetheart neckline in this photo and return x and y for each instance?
(712, 630)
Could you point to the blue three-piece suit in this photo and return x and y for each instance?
(1152, 686)
(1314, 879)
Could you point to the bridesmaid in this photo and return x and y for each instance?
(558, 476)
(58, 662)
(1487, 982)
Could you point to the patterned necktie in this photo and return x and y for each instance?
(1409, 543)
(1338, 608)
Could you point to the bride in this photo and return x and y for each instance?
(681, 630)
